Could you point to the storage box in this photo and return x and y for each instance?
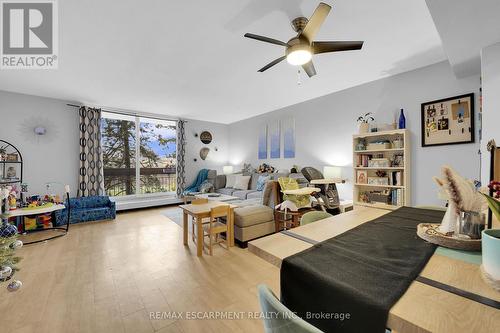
(379, 163)
(30, 222)
(379, 197)
(378, 181)
(45, 221)
(376, 146)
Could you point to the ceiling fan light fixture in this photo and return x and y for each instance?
(299, 57)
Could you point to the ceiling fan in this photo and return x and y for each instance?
(300, 49)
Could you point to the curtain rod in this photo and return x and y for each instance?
(130, 113)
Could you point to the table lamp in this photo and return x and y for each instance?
(227, 169)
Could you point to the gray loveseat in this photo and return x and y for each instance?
(251, 192)
(254, 216)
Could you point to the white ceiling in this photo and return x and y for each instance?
(189, 58)
(466, 27)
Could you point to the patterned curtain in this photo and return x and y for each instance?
(91, 178)
(181, 160)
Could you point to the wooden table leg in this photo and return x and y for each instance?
(230, 227)
(185, 227)
(199, 241)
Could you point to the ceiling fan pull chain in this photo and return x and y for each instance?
(299, 82)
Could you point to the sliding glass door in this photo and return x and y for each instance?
(118, 142)
(139, 155)
(157, 150)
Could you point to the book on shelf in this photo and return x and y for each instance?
(395, 178)
(397, 197)
(363, 159)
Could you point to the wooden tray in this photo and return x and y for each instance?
(430, 233)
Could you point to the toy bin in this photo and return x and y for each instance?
(29, 223)
(45, 221)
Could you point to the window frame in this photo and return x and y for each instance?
(137, 121)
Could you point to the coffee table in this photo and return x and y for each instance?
(220, 197)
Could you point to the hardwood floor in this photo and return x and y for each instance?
(113, 276)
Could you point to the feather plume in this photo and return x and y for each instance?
(462, 192)
(452, 189)
(442, 191)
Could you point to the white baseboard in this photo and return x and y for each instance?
(134, 203)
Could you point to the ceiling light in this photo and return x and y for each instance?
(299, 57)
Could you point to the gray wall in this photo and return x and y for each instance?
(215, 159)
(324, 127)
(51, 158)
(54, 158)
(490, 68)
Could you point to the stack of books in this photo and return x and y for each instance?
(395, 178)
(362, 160)
(397, 197)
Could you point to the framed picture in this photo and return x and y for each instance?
(288, 128)
(263, 142)
(448, 121)
(361, 177)
(12, 157)
(274, 139)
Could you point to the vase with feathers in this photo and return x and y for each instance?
(462, 196)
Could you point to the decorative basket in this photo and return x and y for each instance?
(431, 233)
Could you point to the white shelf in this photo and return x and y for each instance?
(378, 150)
(372, 185)
(32, 211)
(375, 168)
(403, 191)
(381, 133)
(376, 205)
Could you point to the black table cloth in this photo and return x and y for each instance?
(350, 282)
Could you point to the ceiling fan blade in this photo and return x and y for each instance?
(272, 63)
(324, 47)
(309, 68)
(265, 39)
(316, 20)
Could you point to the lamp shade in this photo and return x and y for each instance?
(332, 172)
(227, 169)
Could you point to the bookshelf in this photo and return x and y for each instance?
(382, 169)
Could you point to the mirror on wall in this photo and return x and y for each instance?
(206, 137)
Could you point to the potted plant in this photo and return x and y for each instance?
(491, 240)
(364, 122)
(494, 201)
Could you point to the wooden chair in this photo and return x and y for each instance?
(214, 228)
(197, 201)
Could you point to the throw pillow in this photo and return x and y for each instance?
(230, 179)
(206, 187)
(261, 182)
(241, 182)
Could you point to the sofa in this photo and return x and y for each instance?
(251, 192)
(254, 216)
(86, 209)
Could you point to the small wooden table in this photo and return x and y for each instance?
(200, 211)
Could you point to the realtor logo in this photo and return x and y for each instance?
(29, 34)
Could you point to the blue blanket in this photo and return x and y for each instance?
(195, 187)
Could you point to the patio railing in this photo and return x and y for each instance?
(118, 182)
